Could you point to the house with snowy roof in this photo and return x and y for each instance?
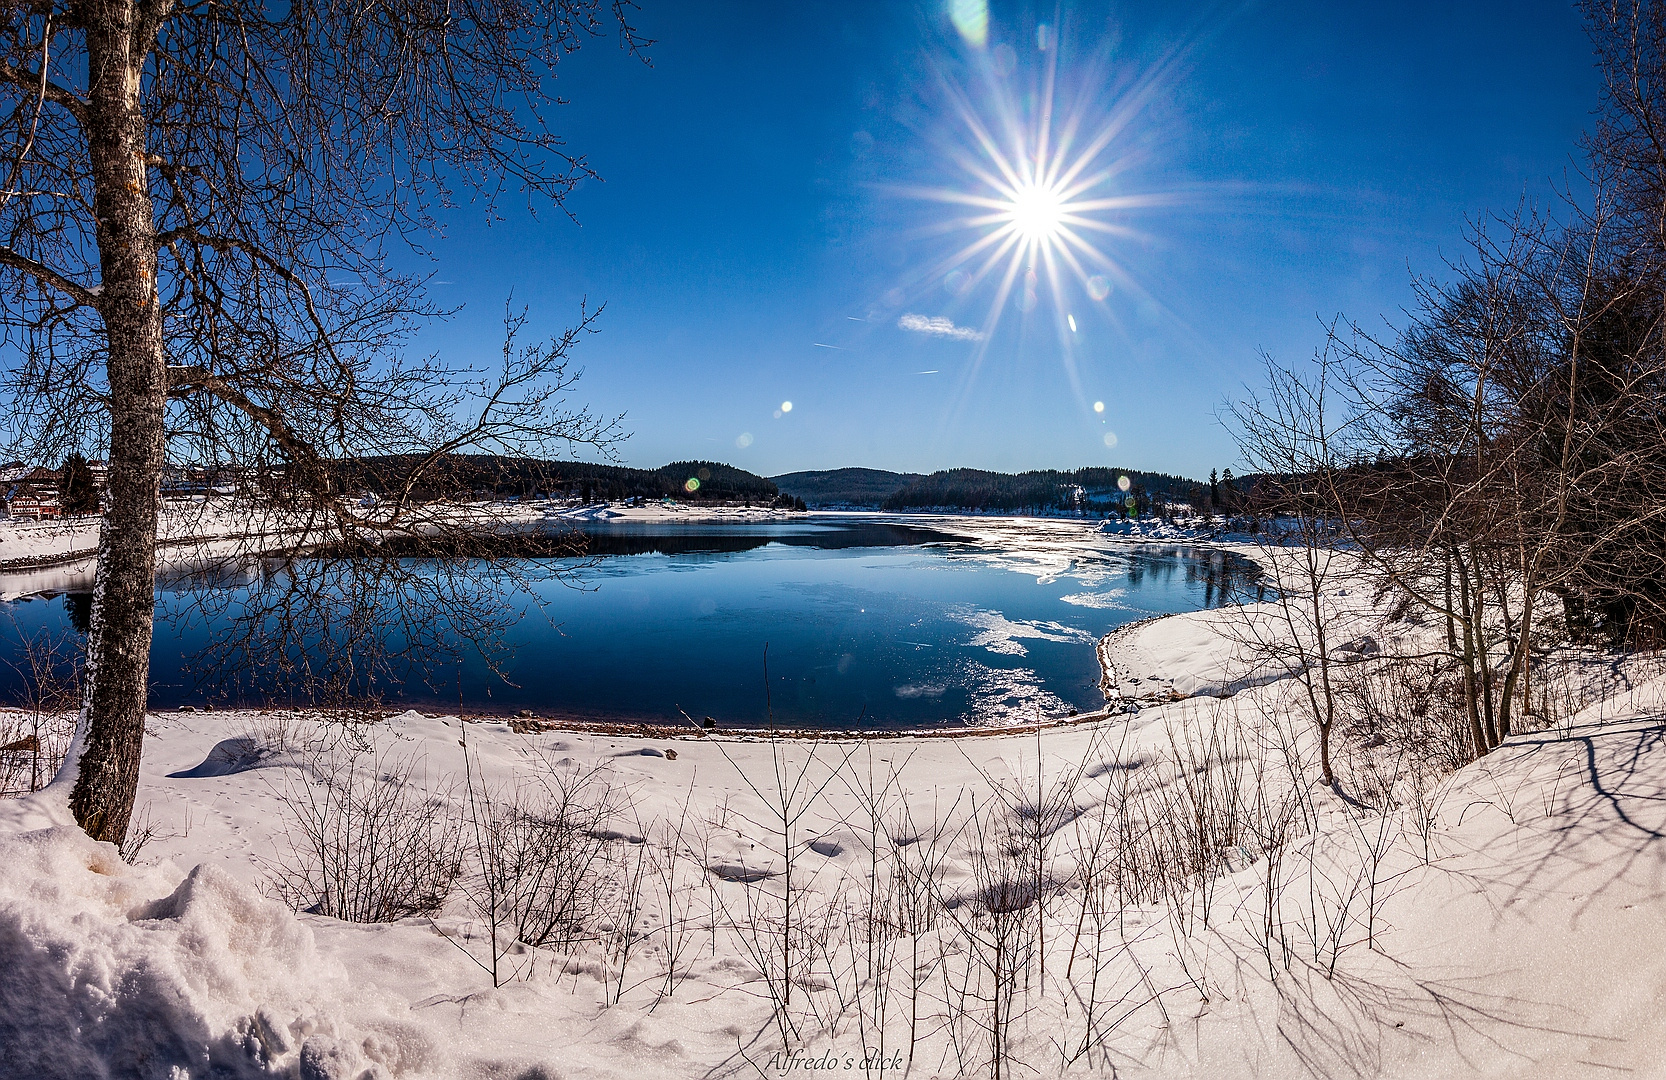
(31, 493)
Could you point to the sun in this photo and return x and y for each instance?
(1037, 212)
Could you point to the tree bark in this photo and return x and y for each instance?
(118, 650)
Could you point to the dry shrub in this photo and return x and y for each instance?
(35, 737)
(544, 858)
(367, 842)
(32, 746)
(1413, 708)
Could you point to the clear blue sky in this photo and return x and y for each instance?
(1307, 158)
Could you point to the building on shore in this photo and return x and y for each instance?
(30, 492)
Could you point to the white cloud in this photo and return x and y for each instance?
(938, 326)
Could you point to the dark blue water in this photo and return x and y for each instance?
(878, 625)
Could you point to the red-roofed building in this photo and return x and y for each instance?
(33, 494)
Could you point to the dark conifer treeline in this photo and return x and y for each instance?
(1093, 490)
(487, 476)
(77, 487)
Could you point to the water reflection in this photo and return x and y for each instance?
(78, 608)
(646, 538)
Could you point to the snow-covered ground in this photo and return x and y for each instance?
(775, 907)
(36, 556)
(23, 539)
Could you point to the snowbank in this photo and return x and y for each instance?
(121, 971)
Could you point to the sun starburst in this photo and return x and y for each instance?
(1045, 192)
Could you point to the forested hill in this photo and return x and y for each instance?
(844, 487)
(487, 476)
(1040, 490)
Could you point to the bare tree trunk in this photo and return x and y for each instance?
(1477, 730)
(1514, 675)
(1325, 714)
(1527, 661)
(113, 717)
(1451, 625)
(1512, 644)
(1482, 653)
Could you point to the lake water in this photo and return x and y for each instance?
(878, 624)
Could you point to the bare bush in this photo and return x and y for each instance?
(778, 934)
(142, 831)
(367, 842)
(545, 849)
(999, 923)
(1412, 707)
(678, 873)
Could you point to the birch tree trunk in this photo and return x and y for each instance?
(113, 713)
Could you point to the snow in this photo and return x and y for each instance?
(665, 511)
(57, 555)
(114, 970)
(1504, 923)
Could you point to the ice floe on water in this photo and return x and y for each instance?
(1005, 636)
(1110, 600)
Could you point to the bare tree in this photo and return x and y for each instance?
(1521, 414)
(1502, 449)
(1508, 446)
(204, 211)
(1290, 434)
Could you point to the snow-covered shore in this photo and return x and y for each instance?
(1504, 922)
(58, 555)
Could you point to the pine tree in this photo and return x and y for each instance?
(77, 488)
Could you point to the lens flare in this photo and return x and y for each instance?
(971, 21)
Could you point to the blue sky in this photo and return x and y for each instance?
(1291, 161)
